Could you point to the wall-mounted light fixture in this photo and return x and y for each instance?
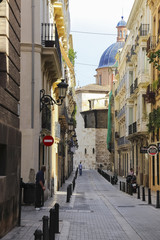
(47, 100)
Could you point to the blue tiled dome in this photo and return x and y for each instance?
(108, 57)
(121, 23)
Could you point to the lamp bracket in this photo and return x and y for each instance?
(47, 100)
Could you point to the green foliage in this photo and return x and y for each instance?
(72, 55)
(154, 58)
(154, 120)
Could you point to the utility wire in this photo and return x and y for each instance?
(111, 34)
(87, 64)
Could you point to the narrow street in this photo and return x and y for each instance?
(97, 211)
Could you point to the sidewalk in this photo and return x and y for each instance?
(97, 210)
(123, 179)
(31, 219)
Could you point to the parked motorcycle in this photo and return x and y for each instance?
(131, 179)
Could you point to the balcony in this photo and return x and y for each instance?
(150, 94)
(144, 29)
(46, 119)
(131, 89)
(132, 128)
(133, 50)
(151, 43)
(51, 54)
(121, 112)
(135, 83)
(123, 141)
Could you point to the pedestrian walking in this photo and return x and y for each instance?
(40, 188)
(80, 169)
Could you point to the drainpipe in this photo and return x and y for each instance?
(32, 84)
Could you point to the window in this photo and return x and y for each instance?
(100, 79)
(93, 150)
(3, 160)
(85, 151)
(124, 33)
(120, 34)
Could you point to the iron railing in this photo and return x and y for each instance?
(49, 37)
(144, 29)
(122, 141)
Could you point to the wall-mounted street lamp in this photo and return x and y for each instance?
(47, 100)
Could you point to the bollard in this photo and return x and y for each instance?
(45, 228)
(73, 182)
(57, 218)
(130, 189)
(149, 196)
(52, 224)
(157, 202)
(38, 234)
(127, 188)
(123, 186)
(70, 189)
(143, 194)
(138, 192)
(68, 193)
(120, 186)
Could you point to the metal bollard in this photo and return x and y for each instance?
(123, 186)
(149, 196)
(157, 202)
(138, 192)
(130, 189)
(52, 224)
(143, 194)
(57, 218)
(68, 193)
(45, 228)
(120, 186)
(38, 234)
(71, 189)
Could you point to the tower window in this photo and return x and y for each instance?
(93, 150)
(120, 34)
(85, 151)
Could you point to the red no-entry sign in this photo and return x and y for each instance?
(48, 140)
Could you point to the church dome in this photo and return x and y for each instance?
(121, 23)
(108, 57)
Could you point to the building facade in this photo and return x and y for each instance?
(10, 135)
(91, 117)
(153, 93)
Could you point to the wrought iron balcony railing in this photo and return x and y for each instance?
(151, 43)
(144, 29)
(49, 37)
(122, 141)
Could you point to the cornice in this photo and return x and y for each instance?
(134, 12)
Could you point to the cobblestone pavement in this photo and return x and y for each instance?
(97, 211)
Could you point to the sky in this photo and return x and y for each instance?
(99, 17)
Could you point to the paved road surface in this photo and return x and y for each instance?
(97, 211)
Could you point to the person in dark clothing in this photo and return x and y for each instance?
(40, 188)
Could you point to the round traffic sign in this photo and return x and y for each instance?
(48, 141)
(152, 150)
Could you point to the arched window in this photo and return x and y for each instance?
(120, 33)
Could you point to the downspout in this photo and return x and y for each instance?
(32, 84)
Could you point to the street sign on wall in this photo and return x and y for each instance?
(48, 141)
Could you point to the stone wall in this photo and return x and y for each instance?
(10, 136)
